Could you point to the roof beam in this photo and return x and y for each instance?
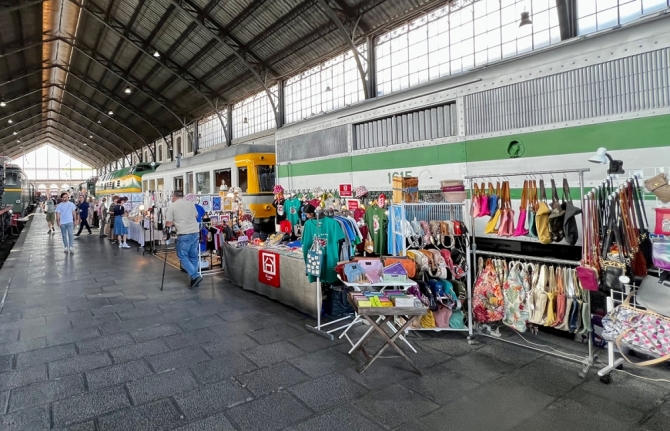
(242, 53)
(20, 47)
(8, 9)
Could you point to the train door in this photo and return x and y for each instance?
(189, 183)
(178, 183)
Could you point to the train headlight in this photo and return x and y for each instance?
(18, 201)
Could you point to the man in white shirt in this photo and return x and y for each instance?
(65, 215)
(182, 214)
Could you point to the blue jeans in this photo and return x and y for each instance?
(187, 252)
(67, 230)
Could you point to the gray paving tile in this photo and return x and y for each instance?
(45, 392)
(162, 385)
(85, 426)
(322, 362)
(509, 354)
(600, 405)
(22, 346)
(495, 400)
(279, 410)
(555, 378)
(192, 338)
(236, 328)
(219, 369)
(269, 354)
(115, 374)
(160, 415)
(481, 368)
(177, 358)
(4, 401)
(104, 343)
(153, 332)
(338, 419)
(111, 308)
(9, 335)
(623, 390)
(23, 323)
(271, 379)
(33, 419)
(275, 333)
(89, 405)
(229, 345)
(5, 363)
(441, 385)
(78, 334)
(139, 350)
(201, 322)
(327, 391)
(217, 422)
(139, 312)
(23, 376)
(47, 354)
(78, 364)
(96, 321)
(389, 406)
(312, 342)
(211, 399)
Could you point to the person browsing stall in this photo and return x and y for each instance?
(182, 215)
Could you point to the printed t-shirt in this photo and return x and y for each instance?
(292, 208)
(281, 210)
(50, 206)
(329, 230)
(376, 219)
(65, 210)
(182, 213)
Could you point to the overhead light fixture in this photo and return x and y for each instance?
(18, 140)
(328, 88)
(111, 112)
(602, 156)
(157, 54)
(128, 90)
(525, 19)
(99, 121)
(90, 136)
(246, 121)
(15, 133)
(10, 121)
(2, 103)
(85, 144)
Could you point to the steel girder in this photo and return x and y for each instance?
(7, 9)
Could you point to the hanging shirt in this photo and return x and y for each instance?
(281, 210)
(201, 212)
(328, 230)
(292, 208)
(377, 221)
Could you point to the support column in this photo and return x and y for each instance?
(372, 68)
(229, 131)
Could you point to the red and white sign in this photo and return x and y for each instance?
(268, 268)
(353, 204)
(346, 191)
(381, 201)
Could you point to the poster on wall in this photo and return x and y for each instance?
(268, 268)
(227, 203)
(346, 190)
(216, 203)
(206, 203)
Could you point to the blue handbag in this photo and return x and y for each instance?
(493, 198)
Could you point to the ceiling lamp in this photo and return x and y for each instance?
(85, 144)
(15, 133)
(111, 112)
(328, 88)
(128, 90)
(99, 121)
(90, 136)
(525, 19)
(3, 104)
(246, 121)
(157, 54)
(602, 156)
(10, 121)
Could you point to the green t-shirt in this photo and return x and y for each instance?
(292, 209)
(329, 230)
(377, 221)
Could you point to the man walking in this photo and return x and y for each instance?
(65, 215)
(102, 216)
(50, 210)
(182, 214)
(83, 215)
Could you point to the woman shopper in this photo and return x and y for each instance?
(112, 205)
(120, 229)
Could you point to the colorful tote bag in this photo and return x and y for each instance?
(488, 303)
(314, 258)
(514, 291)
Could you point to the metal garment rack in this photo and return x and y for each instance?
(587, 361)
(427, 211)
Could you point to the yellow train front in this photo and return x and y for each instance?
(256, 176)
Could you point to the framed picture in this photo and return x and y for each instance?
(214, 219)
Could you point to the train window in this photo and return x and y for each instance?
(202, 186)
(160, 185)
(189, 182)
(11, 179)
(152, 185)
(179, 183)
(222, 175)
(266, 177)
(242, 179)
(145, 186)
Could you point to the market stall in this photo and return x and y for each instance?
(137, 233)
(283, 275)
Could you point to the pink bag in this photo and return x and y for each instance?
(442, 316)
(483, 202)
(476, 202)
(521, 223)
(487, 299)
(506, 228)
(373, 269)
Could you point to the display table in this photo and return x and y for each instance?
(377, 317)
(241, 268)
(138, 234)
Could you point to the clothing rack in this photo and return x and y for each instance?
(485, 330)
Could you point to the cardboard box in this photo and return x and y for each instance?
(405, 188)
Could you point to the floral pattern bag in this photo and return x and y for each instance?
(488, 304)
(514, 291)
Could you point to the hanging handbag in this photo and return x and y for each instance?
(314, 258)
(557, 216)
(521, 223)
(569, 292)
(493, 198)
(588, 270)
(661, 253)
(408, 264)
(539, 296)
(514, 293)
(542, 217)
(643, 223)
(483, 202)
(614, 260)
(575, 321)
(532, 208)
(550, 315)
(631, 231)
(492, 224)
(487, 301)
(506, 228)
(570, 219)
(654, 294)
(658, 185)
(159, 220)
(369, 245)
(476, 201)
(561, 303)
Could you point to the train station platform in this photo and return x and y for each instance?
(89, 342)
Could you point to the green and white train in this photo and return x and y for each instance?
(545, 110)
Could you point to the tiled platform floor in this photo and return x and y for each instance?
(89, 342)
